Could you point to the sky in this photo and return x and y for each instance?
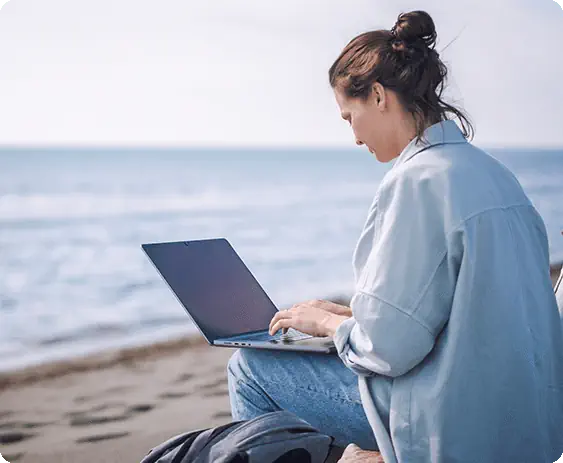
(184, 73)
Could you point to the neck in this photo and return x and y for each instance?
(404, 133)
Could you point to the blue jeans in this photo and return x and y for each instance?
(316, 387)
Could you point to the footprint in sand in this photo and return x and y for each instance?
(10, 433)
(101, 437)
(11, 425)
(91, 420)
(11, 437)
(11, 458)
(185, 377)
(212, 385)
(98, 408)
(111, 413)
(111, 390)
(217, 393)
(172, 395)
(141, 408)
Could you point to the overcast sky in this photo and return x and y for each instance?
(255, 72)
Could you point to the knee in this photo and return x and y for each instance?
(234, 365)
(241, 364)
(238, 365)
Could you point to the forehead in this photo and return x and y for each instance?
(343, 103)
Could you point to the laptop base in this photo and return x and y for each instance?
(319, 345)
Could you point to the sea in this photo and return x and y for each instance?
(74, 279)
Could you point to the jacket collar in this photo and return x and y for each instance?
(440, 133)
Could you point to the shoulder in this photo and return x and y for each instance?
(457, 180)
(421, 178)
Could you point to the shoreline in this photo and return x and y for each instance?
(110, 357)
(116, 405)
(106, 358)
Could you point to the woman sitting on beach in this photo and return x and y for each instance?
(452, 347)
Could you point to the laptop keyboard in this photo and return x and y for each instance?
(291, 335)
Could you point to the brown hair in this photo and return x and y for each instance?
(404, 60)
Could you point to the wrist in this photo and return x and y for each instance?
(332, 322)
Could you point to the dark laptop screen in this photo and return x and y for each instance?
(214, 285)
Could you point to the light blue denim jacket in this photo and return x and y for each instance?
(456, 337)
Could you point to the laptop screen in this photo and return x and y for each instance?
(214, 286)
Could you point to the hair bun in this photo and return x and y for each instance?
(416, 26)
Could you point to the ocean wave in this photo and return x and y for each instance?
(17, 208)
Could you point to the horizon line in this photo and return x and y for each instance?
(194, 147)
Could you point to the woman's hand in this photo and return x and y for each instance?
(332, 307)
(312, 317)
(354, 454)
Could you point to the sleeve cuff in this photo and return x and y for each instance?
(342, 334)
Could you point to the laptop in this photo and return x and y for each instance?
(222, 297)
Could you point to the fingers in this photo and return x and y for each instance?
(288, 314)
(282, 314)
(284, 323)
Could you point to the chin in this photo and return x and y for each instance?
(381, 157)
(373, 153)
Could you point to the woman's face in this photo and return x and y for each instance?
(370, 121)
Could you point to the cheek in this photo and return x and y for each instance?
(366, 131)
(358, 128)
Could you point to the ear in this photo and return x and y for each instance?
(379, 94)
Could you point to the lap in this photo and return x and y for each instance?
(317, 387)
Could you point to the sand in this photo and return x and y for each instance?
(115, 406)
(115, 411)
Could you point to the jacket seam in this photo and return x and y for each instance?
(397, 308)
(426, 287)
(518, 270)
(445, 253)
(492, 208)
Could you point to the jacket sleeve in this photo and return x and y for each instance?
(404, 293)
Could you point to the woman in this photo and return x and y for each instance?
(452, 348)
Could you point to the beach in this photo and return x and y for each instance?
(113, 407)
(117, 405)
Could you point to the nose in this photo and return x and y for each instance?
(359, 143)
